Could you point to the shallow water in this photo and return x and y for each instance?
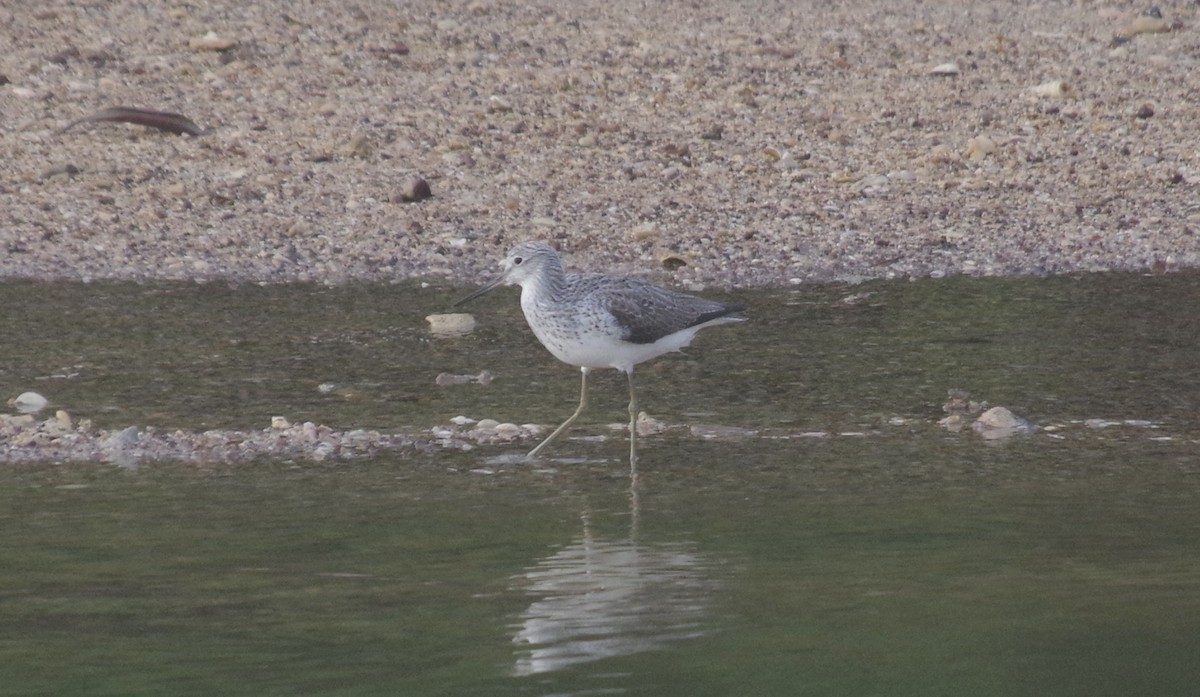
(852, 547)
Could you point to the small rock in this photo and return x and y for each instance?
(979, 148)
(119, 447)
(444, 379)
(17, 421)
(996, 417)
(28, 402)
(1152, 23)
(872, 184)
(999, 422)
(360, 147)
(670, 260)
(648, 425)
(1145, 111)
(67, 169)
(483, 378)
(1054, 88)
(498, 105)
(953, 422)
(716, 432)
(645, 231)
(280, 423)
(211, 42)
(414, 189)
(451, 325)
(322, 452)
(788, 162)
(958, 408)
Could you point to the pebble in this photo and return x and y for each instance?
(872, 184)
(959, 409)
(1054, 88)
(414, 189)
(443, 379)
(669, 260)
(498, 105)
(1000, 422)
(645, 231)
(647, 425)
(979, 147)
(1145, 24)
(451, 325)
(211, 42)
(28, 402)
(360, 146)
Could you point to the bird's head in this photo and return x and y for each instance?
(524, 264)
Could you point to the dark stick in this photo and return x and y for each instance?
(162, 120)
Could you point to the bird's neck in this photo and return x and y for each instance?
(547, 285)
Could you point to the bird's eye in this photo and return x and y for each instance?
(517, 261)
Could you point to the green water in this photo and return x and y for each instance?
(903, 560)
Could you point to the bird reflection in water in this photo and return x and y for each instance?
(600, 598)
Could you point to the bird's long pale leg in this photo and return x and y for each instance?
(566, 424)
(633, 415)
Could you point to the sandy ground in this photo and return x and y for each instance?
(737, 144)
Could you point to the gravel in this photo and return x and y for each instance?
(61, 438)
(738, 144)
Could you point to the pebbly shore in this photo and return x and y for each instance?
(731, 143)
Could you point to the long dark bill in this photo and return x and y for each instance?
(498, 280)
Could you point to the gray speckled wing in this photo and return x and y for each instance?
(647, 312)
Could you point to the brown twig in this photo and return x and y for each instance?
(162, 120)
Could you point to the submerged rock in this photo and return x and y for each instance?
(28, 402)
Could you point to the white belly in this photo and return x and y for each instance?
(590, 338)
